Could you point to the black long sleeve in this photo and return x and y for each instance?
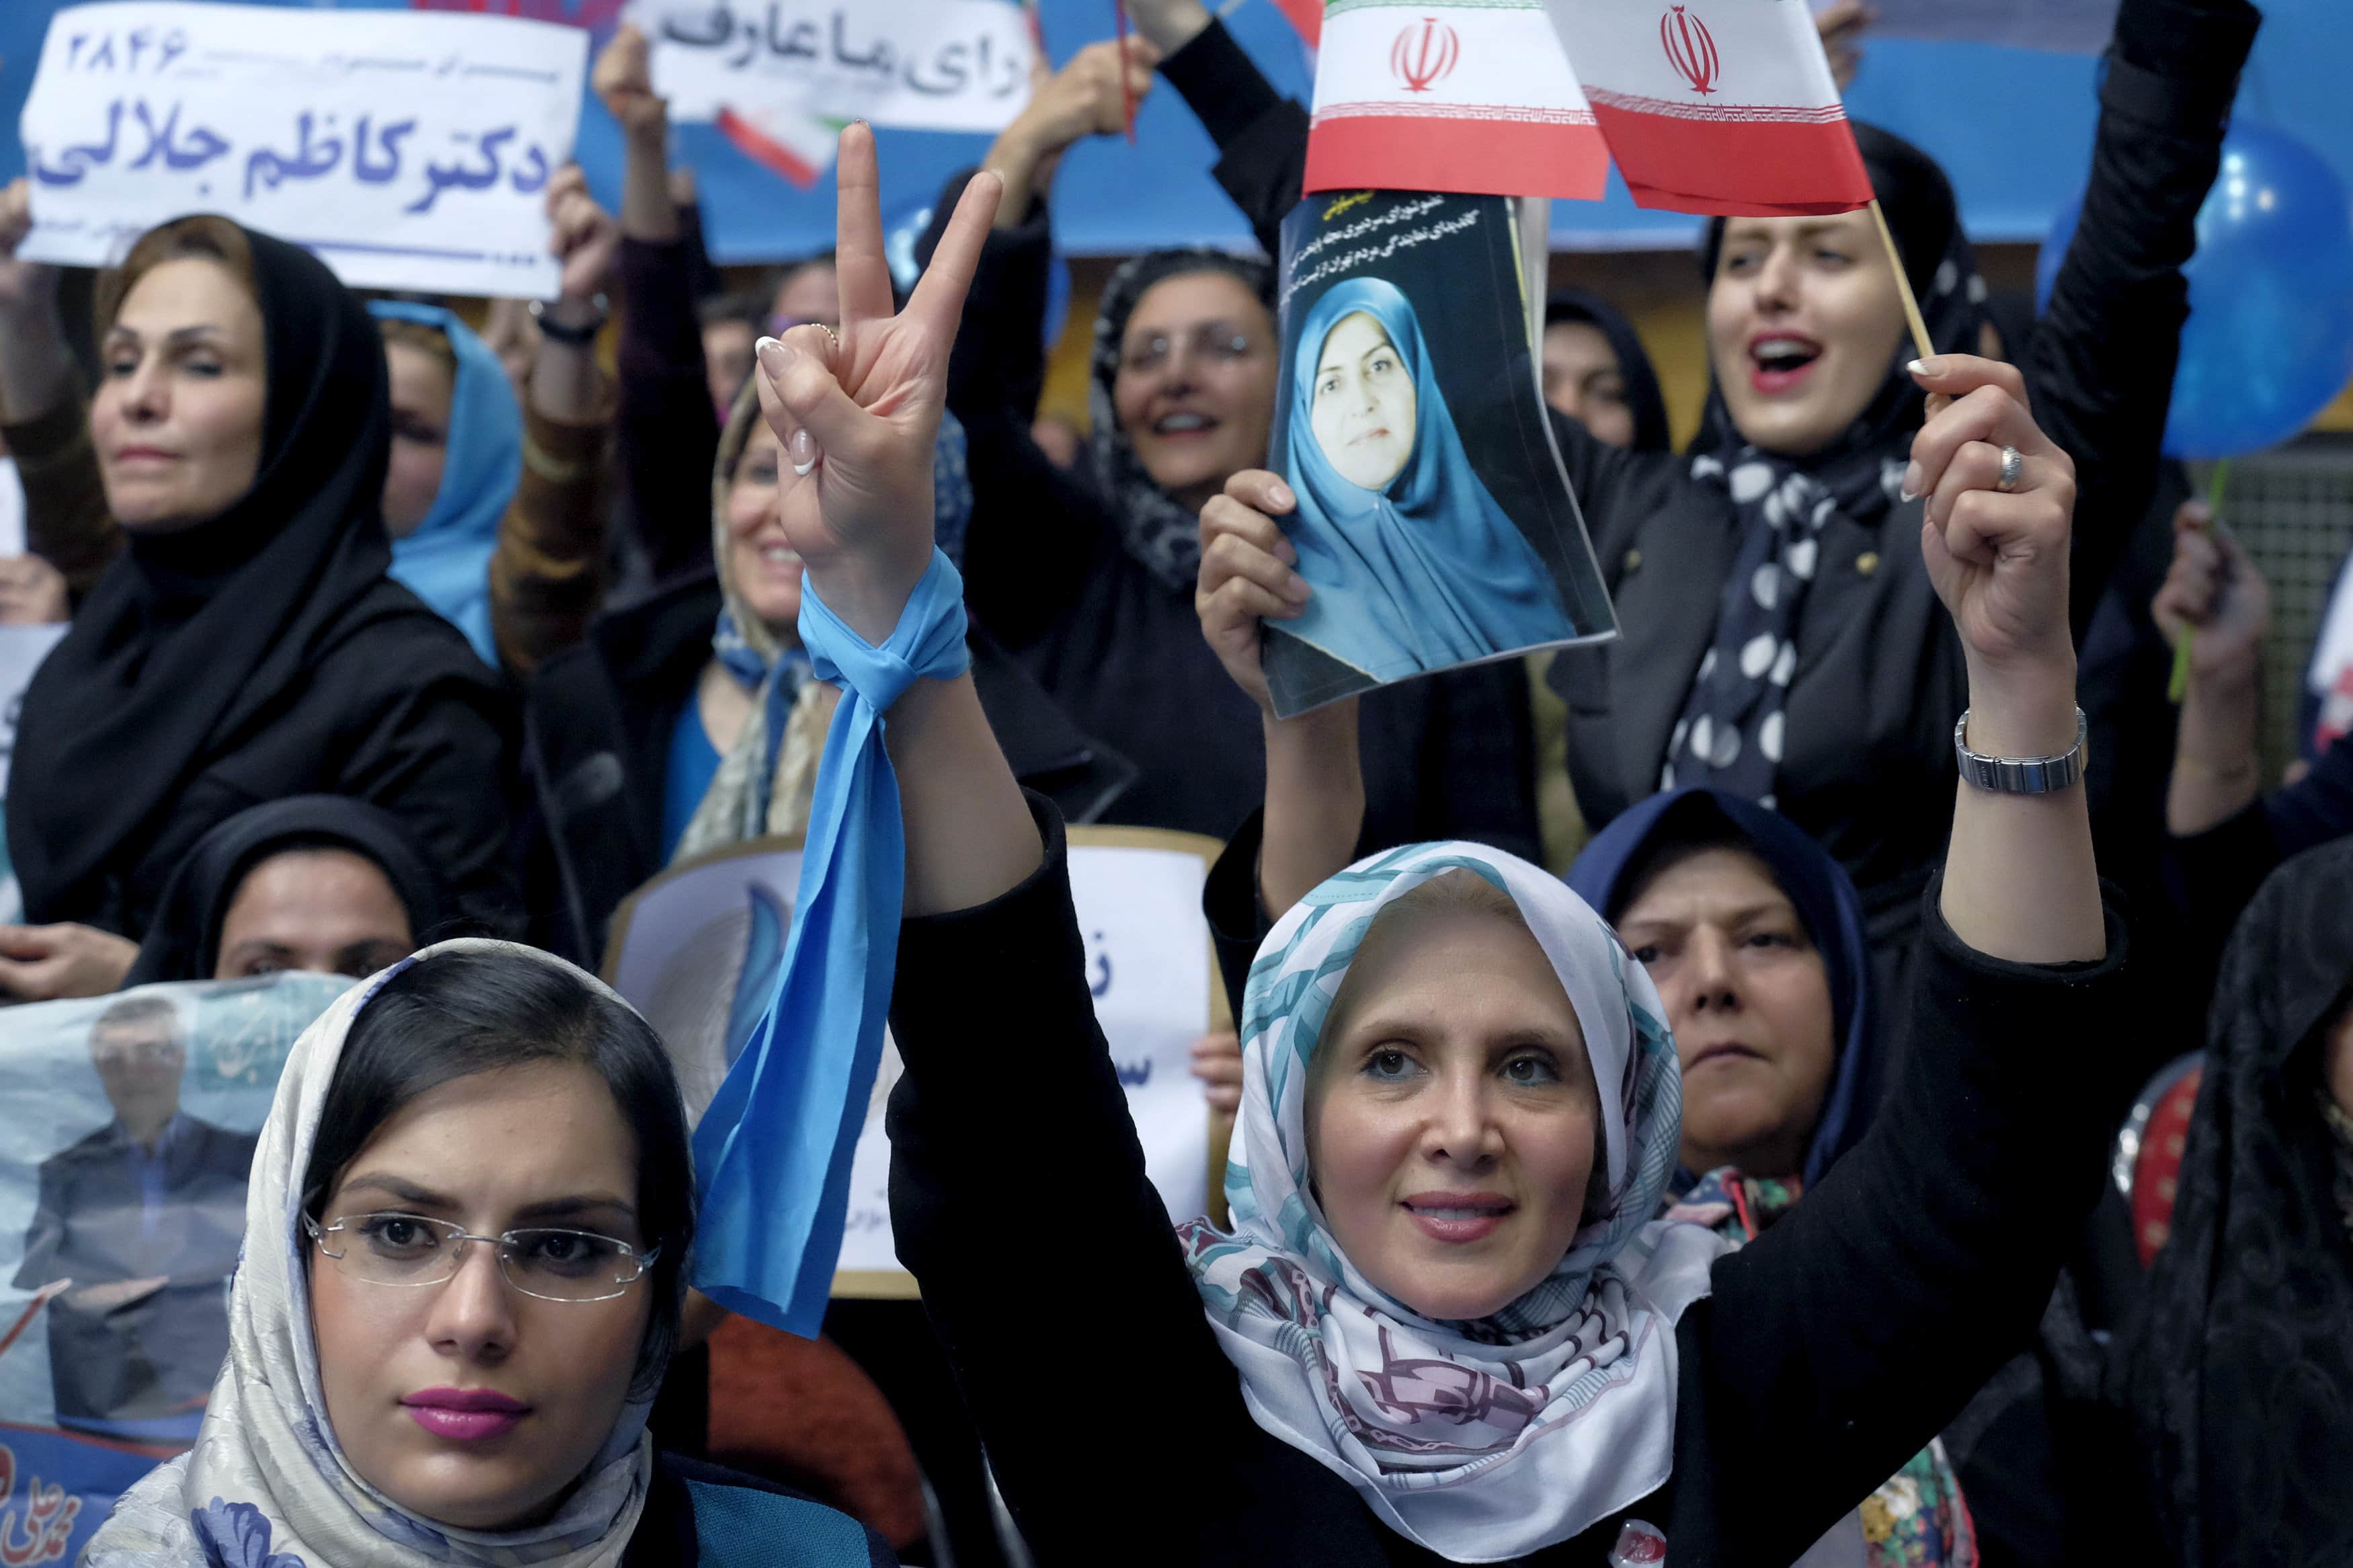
(1262, 136)
(2101, 372)
(960, 1120)
(2212, 877)
(668, 431)
(1850, 1332)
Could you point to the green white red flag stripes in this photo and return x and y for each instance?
(1471, 96)
(1716, 106)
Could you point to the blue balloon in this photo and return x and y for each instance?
(2269, 343)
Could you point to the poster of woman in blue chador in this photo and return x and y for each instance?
(1414, 564)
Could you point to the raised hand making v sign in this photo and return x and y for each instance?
(856, 413)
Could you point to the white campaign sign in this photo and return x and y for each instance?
(925, 65)
(1148, 965)
(408, 149)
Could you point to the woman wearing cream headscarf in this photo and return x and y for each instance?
(398, 1394)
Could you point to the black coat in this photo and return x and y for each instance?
(1879, 680)
(596, 733)
(1831, 1349)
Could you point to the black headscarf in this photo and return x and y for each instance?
(1154, 527)
(1643, 399)
(2239, 1378)
(193, 637)
(1730, 733)
(184, 939)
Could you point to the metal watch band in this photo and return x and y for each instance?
(2019, 775)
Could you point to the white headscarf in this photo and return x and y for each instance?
(1481, 1440)
(267, 1485)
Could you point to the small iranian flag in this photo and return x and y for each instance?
(1716, 106)
(793, 143)
(1473, 96)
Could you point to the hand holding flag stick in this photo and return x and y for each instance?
(1126, 94)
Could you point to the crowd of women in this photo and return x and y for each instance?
(1678, 1080)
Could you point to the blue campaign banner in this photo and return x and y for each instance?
(124, 1159)
(2013, 127)
(55, 1489)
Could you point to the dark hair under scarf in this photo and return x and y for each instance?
(192, 638)
(1643, 399)
(2239, 1375)
(184, 939)
(1606, 876)
(1730, 731)
(1154, 527)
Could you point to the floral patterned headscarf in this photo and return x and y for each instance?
(267, 1485)
(1480, 1440)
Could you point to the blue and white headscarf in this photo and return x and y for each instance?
(267, 1484)
(764, 782)
(1480, 1440)
(446, 560)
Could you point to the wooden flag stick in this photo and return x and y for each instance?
(1904, 284)
(1126, 94)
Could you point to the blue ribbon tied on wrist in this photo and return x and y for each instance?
(772, 1154)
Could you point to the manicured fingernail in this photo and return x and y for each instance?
(775, 356)
(1280, 494)
(1927, 367)
(1295, 587)
(802, 448)
(1911, 481)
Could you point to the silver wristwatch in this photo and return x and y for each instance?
(2019, 775)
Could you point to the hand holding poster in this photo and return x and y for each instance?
(926, 65)
(409, 148)
(1435, 524)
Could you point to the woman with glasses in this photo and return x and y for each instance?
(467, 1235)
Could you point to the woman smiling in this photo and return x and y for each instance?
(1446, 1325)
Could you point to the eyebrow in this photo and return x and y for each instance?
(177, 335)
(409, 1193)
(1740, 916)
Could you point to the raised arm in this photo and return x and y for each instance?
(1262, 136)
(860, 412)
(1931, 1248)
(1036, 531)
(989, 929)
(67, 523)
(668, 431)
(2103, 361)
(1314, 773)
(547, 575)
(2020, 881)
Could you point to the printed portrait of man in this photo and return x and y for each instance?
(145, 1216)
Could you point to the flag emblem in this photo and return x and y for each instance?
(1691, 50)
(1424, 55)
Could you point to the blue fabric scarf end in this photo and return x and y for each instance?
(772, 1154)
